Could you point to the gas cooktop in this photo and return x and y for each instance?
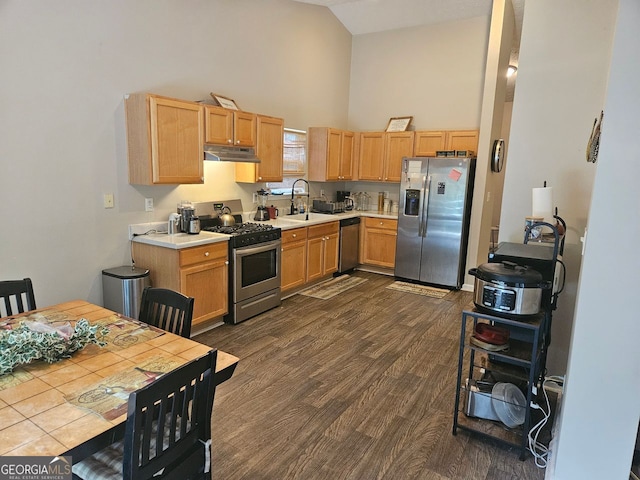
(245, 234)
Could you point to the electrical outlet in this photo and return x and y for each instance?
(255, 198)
(322, 192)
(107, 199)
(148, 204)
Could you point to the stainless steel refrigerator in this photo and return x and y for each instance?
(433, 219)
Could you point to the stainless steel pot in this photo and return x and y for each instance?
(227, 219)
(508, 289)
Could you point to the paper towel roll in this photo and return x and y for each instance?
(542, 201)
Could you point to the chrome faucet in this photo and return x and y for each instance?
(293, 207)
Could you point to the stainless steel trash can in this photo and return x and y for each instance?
(122, 289)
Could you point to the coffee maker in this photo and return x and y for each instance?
(262, 214)
(344, 197)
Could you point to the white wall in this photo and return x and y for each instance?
(562, 75)
(65, 68)
(602, 396)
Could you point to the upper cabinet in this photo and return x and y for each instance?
(269, 149)
(165, 140)
(381, 153)
(331, 154)
(229, 127)
(427, 143)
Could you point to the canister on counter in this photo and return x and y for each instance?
(380, 201)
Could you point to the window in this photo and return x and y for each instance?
(294, 162)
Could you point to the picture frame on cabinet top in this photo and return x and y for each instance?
(224, 102)
(398, 124)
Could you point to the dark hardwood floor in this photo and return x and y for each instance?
(360, 386)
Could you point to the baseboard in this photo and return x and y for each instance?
(374, 269)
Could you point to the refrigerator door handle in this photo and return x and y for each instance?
(426, 185)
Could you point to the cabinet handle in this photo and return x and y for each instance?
(237, 142)
(229, 140)
(226, 262)
(206, 254)
(294, 235)
(282, 249)
(259, 178)
(381, 223)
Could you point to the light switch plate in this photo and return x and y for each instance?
(107, 199)
(148, 204)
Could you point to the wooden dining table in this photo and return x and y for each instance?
(77, 406)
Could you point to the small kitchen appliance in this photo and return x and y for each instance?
(262, 214)
(508, 289)
(186, 211)
(322, 206)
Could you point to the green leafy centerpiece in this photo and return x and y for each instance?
(31, 341)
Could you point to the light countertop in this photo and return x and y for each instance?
(285, 222)
(181, 240)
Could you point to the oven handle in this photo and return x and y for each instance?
(263, 247)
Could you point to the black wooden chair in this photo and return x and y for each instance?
(17, 297)
(167, 309)
(168, 429)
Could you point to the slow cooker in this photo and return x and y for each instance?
(508, 289)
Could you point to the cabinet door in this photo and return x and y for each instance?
(346, 155)
(426, 144)
(397, 146)
(371, 156)
(207, 283)
(378, 245)
(294, 264)
(334, 143)
(330, 254)
(314, 258)
(462, 140)
(218, 125)
(270, 151)
(177, 141)
(244, 129)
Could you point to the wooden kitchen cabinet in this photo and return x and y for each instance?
(199, 272)
(331, 154)
(165, 140)
(229, 127)
(462, 140)
(381, 153)
(427, 143)
(270, 151)
(322, 250)
(294, 258)
(378, 241)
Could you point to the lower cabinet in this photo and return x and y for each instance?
(200, 272)
(378, 241)
(294, 258)
(322, 250)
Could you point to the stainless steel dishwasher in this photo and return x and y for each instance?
(349, 240)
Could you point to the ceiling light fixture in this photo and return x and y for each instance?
(511, 70)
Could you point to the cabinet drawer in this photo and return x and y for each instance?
(324, 229)
(205, 253)
(294, 235)
(381, 223)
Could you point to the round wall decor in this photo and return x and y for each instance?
(497, 155)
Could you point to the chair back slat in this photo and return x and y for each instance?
(17, 297)
(167, 309)
(168, 422)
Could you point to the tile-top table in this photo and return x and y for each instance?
(36, 414)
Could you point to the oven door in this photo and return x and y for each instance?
(256, 269)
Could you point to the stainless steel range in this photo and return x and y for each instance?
(254, 260)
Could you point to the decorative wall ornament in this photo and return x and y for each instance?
(594, 141)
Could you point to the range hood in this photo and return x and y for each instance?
(223, 153)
